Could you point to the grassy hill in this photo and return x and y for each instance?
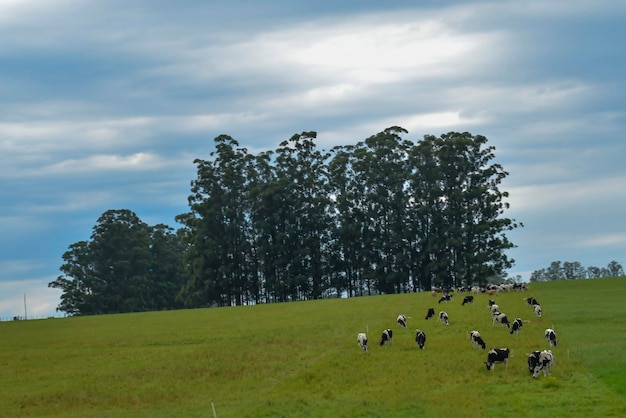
(302, 359)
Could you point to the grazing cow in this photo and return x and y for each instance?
(431, 313)
(501, 318)
(515, 327)
(477, 340)
(443, 317)
(538, 310)
(519, 287)
(401, 320)
(468, 299)
(491, 302)
(544, 363)
(420, 338)
(497, 355)
(445, 298)
(532, 301)
(494, 309)
(533, 360)
(551, 337)
(361, 339)
(385, 339)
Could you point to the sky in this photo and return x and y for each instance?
(104, 104)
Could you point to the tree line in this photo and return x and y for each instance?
(571, 270)
(384, 215)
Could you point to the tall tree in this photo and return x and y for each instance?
(113, 272)
(345, 250)
(381, 169)
(120, 247)
(77, 281)
(217, 253)
(301, 174)
(165, 271)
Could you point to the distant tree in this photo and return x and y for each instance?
(594, 272)
(539, 276)
(555, 271)
(615, 269)
(573, 270)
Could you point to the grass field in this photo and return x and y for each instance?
(302, 359)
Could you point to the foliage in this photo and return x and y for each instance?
(383, 216)
(126, 266)
(301, 359)
(574, 270)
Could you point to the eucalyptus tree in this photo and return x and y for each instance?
(165, 270)
(472, 241)
(217, 253)
(425, 220)
(380, 167)
(345, 250)
(266, 218)
(302, 179)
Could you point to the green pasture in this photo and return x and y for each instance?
(301, 359)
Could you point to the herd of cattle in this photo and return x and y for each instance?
(538, 361)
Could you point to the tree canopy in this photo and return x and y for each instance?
(385, 215)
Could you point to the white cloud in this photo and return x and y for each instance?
(559, 197)
(602, 240)
(136, 161)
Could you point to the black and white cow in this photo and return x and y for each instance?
(544, 363)
(477, 340)
(401, 320)
(533, 360)
(431, 313)
(491, 302)
(551, 337)
(385, 339)
(445, 298)
(420, 338)
(538, 310)
(361, 339)
(532, 301)
(443, 317)
(494, 309)
(515, 327)
(468, 299)
(501, 318)
(497, 355)
(519, 287)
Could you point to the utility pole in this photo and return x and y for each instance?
(25, 313)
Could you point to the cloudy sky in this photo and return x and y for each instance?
(104, 104)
